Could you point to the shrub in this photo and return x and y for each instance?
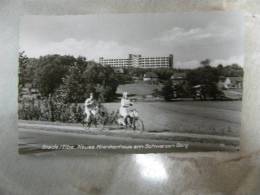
(167, 91)
(71, 113)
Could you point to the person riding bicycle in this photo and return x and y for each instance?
(125, 107)
(90, 106)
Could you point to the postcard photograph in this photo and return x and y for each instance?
(146, 82)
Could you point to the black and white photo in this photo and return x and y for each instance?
(139, 83)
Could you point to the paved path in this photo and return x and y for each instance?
(34, 134)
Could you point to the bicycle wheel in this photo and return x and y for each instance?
(139, 125)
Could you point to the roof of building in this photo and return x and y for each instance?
(236, 79)
(150, 75)
(232, 79)
(178, 75)
(222, 78)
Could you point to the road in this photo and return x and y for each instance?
(34, 135)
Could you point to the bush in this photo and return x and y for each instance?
(71, 113)
(29, 112)
(167, 91)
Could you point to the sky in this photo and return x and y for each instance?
(190, 36)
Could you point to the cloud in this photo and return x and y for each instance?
(187, 64)
(189, 37)
(92, 49)
(211, 31)
(195, 63)
(232, 60)
(178, 33)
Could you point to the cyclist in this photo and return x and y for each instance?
(90, 106)
(125, 107)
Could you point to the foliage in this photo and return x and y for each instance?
(86, 77)
(69, 113)
(205, 62)
(68, 78)
(50, 71)
(233, 70)
(164, 73)
(182, 90)
(136, 72)
(124, 78)
(205, 76)
(202, 75)
(27, 68)
(29, 110)
(23, 60)
(167, 90)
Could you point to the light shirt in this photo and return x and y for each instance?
(89, 103)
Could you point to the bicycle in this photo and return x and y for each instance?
(132, 120)
(98, 116)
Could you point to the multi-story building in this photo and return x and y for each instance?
(138, 61)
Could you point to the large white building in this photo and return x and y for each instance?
(138, 61)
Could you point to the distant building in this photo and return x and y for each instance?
(230, 82)
(150, 76)
(178, 78)
(119, 70)
(138, 61)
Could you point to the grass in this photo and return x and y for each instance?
(222, 118)
(139, 89)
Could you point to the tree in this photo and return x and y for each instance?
(86, 77)
(233, 70)
(205, 62)
(203, 75)
(50, 71)
(220, 69)
(207, 77)
(167, 90)
(164, 73)
(23, 60)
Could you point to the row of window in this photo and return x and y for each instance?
(135, 61)
(117, 64)
(140, 59)
(155, 58)
(142, 64)
(146, 66)
(154, 62)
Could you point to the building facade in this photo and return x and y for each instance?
(137, 61)
(230, 83)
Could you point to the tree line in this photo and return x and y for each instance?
(206, 77)
(71, 79)
(65, 81)
(67, 78)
